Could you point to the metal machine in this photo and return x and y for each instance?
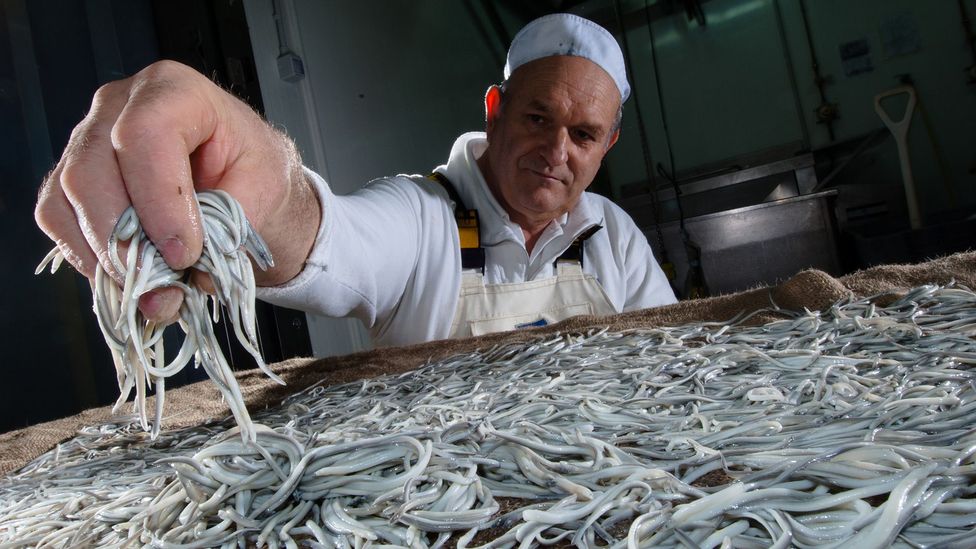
(753, 226)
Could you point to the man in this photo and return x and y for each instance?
(389, 254)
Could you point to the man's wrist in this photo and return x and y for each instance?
(296, 232)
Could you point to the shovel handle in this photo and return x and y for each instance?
(899, 130)
(901, 126)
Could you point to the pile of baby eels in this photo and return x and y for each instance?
(847, 427)
(137, 343)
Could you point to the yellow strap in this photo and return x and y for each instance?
(467, 220)
(468, 232)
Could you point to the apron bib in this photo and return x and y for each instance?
(488, 308)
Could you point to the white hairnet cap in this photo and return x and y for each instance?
(568, 34)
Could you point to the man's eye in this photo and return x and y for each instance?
(584, 136)
(536, 119)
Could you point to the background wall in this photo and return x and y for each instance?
(742, 85)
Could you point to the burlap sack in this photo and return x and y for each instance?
(200, 402)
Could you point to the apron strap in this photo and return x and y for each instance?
(574, 252)
(469, 231)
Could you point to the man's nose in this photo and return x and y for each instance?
(555, 147)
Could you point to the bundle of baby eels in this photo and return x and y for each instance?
(852, 427)
(137, 343)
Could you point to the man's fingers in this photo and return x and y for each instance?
(81, 231)
(148, 142)
(168, 115)
(202, 281)
(55, 216)
(88, 177)
(161, 305)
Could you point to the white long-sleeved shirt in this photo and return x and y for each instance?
(389, 255)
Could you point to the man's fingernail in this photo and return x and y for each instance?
(160, 306)
(150, 304)
(175, 253)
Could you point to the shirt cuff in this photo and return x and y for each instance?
(295, 289)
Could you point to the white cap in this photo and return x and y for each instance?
(568, 34)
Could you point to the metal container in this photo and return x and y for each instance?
(755, 245)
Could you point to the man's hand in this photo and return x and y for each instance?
(149, 141)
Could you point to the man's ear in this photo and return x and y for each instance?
(493, 105)
(613, 139)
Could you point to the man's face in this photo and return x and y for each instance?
(548, 137)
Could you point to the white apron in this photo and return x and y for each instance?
(487, 308)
